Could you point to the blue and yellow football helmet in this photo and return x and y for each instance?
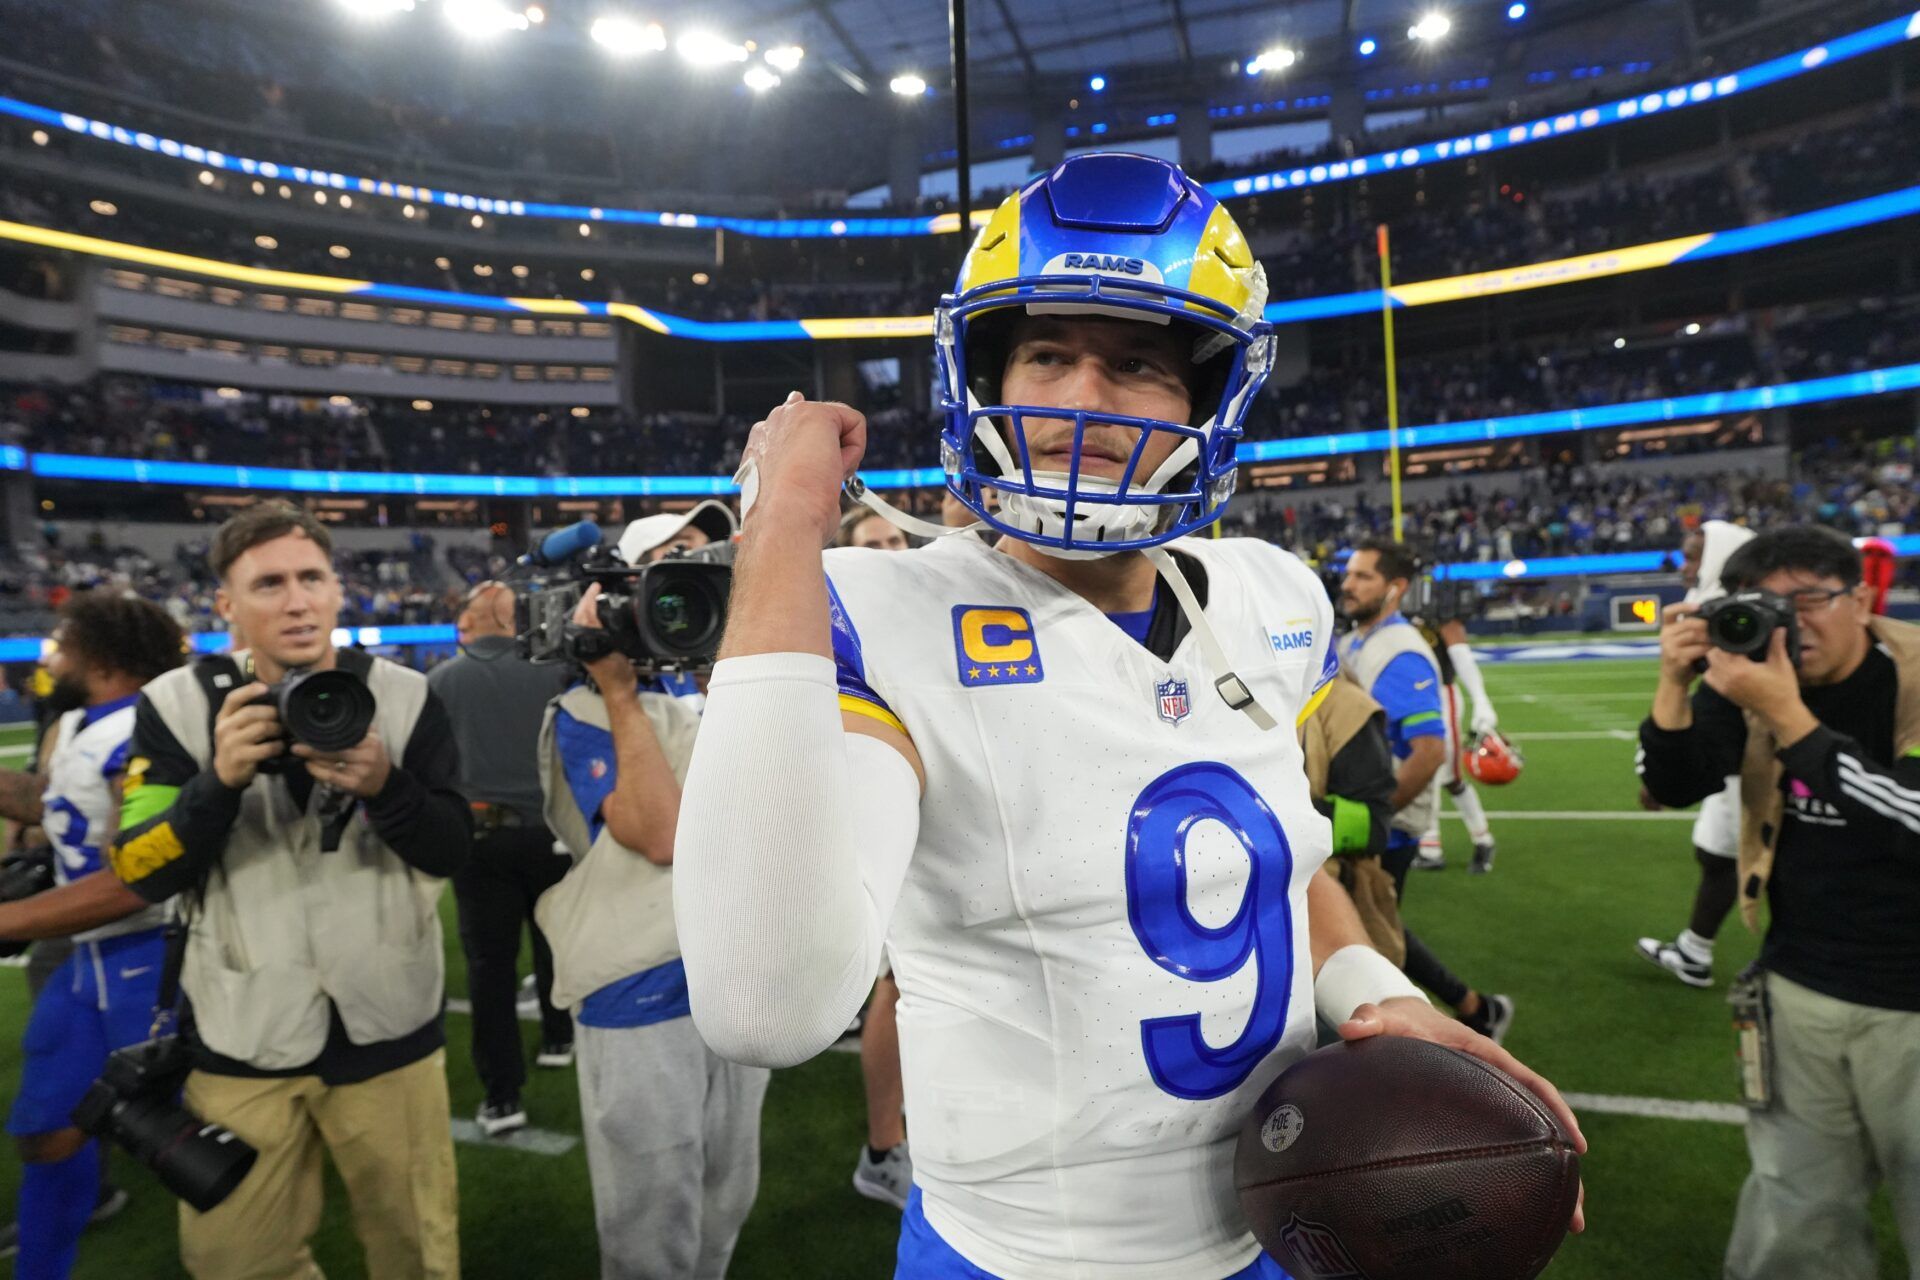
(1104, 234)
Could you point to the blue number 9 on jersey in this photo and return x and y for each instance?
(1178, 1055)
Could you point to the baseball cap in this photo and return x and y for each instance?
(712, 517)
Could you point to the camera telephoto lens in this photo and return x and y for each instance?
(197, 1161)
(327, 710)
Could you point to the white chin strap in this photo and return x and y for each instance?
(1232, 689)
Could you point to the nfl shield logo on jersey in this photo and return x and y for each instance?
(1172, 694)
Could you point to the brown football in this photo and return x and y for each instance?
(1396, 1159)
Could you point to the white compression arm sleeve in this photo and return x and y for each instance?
(1466, 669)
(782, 883)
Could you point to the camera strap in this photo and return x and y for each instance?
(166, 1005)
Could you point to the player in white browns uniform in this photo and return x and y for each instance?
(1082, 825)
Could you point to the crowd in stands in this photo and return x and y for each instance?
(1860, 488)
(135, 418)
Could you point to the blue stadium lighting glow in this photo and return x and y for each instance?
(1773, 71)
(1516, 11)
(204, 475)
(1369, 47)
(1098, 84)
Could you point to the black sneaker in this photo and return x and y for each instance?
(1482, 859)
(1493, 1019)
(555, 1055)
(504, 1116)
(1670, 957)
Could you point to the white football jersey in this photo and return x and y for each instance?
(79, 811)
(1101, 943)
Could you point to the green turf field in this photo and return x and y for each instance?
(1553, 926)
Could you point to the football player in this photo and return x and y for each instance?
(1056, 776)
(102, 998)
(1447, 637)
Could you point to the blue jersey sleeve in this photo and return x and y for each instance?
(587, 757)
(850, 667)
(1409, 689)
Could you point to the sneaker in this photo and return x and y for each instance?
(496, 1118)
(528, 996)
(1493, 1019)
(1482, 859)
(1425, 861)
(887, 1181)
(1670, 957)
(555, 1055)
(10, 1239)
(112, 1201)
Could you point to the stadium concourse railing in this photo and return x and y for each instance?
(1851, 215)
(1713, 89)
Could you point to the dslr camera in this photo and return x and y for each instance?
(1745, 621)
(326, 710)
(135, 1104)
(24, 873)
(666, 616)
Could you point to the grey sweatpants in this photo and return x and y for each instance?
(1846, 1115)
(673, 1146)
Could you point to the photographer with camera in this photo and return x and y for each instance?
(102, 997)
(672, 1130)
(1814, 703)
(311, 874)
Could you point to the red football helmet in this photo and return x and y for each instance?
(1493, 760)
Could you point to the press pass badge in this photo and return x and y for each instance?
(1753, 1048)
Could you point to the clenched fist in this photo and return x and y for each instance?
(796, 459)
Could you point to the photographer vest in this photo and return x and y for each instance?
(1763, 802)
(611, 916)
(1363, 664)
(283, 927)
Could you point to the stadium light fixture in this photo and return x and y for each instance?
(266, 242)
(482, 17)
(105, 208)
(376, 8)
(206, 177)
(626, 37)
(340, 251)
(1278, 58)
(40, 137)
(1097, 84)
(908, 85)
(785, 57)
(759, 78)
(1431, 26)
(705, 49)
(536, 14)
(1516, 11)
(1368, 47)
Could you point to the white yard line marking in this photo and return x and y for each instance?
(456, 1004)
(1584, 815)
(14, 753)
(539, 1142)
(1657, 1108)
(1618, 735)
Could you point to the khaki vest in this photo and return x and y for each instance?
(1363, 667)
(1762, 803)
(283, 928)
(1344, 712)
(611, 916)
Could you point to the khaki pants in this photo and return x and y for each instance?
(391, 1140)
(1846, 1115)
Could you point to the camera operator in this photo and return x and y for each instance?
(495, 700)
(1826, 743)
(102, 996)
(672, 1129)
(314, 965)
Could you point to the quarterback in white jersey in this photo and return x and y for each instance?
(1064, 764)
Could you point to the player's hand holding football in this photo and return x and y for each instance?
(1410, 1016)
(1683, 642)
(614, 673)
(796, 459)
